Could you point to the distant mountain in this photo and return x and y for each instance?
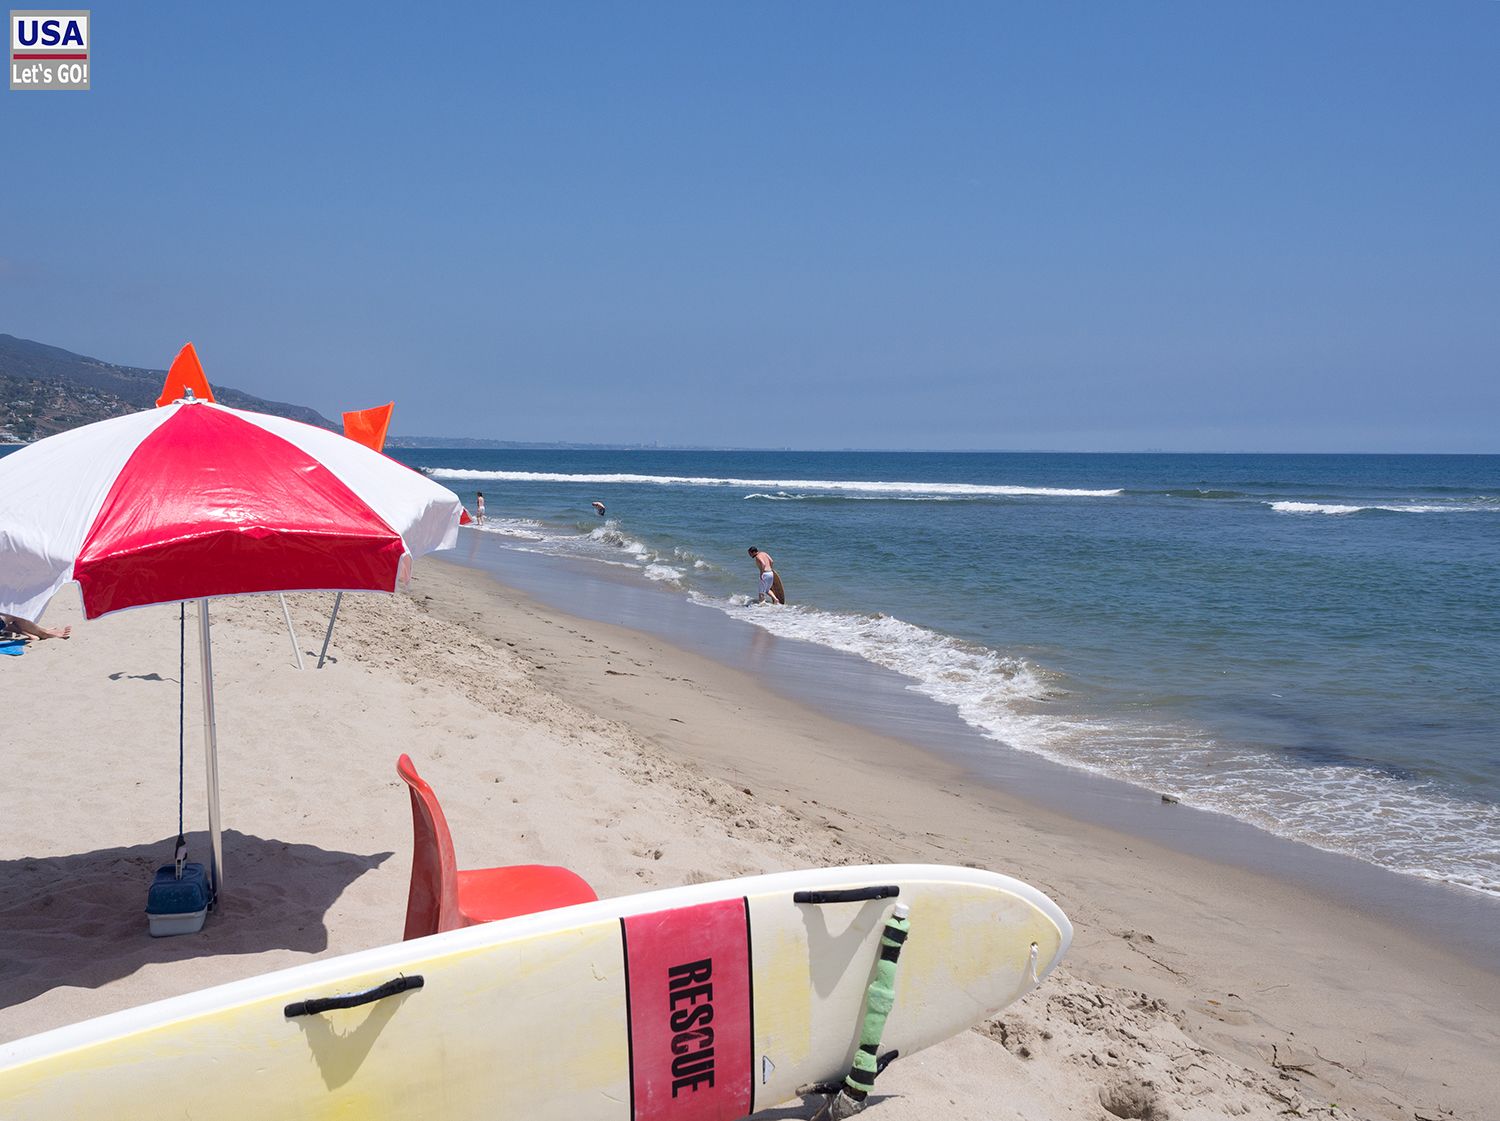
(45, 390)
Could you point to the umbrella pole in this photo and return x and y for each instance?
(210, 753)
(287, 614)
(337, 600)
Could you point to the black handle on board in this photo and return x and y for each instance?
(881, 1063)
(847, 895)
(353, 1000)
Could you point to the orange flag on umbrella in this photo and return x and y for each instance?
(186, 373)
(368, 426)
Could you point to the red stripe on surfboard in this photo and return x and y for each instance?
(209, 504)
(690, 1017)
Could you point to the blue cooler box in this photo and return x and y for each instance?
(176, 906)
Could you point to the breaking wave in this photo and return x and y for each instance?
(856, 486)
(1338, 508)
(1362, 811)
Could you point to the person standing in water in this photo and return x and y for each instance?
(765, 563)
(479, 506)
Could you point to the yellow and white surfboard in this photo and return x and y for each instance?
(701, 1003)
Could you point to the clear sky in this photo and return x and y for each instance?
(1087, 226)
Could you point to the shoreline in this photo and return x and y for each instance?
(1187, 635)
(1211, 990)
(1248, 960)
(846, 688)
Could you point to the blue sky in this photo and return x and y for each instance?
(1102, 226)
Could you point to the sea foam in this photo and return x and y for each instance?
(1363, 812)
(1396, 508)
(858, 486)
(525, 528)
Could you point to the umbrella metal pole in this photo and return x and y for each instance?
(210, 752)
(337, 600)
(287, 614)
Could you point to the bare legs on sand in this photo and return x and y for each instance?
(31, 630)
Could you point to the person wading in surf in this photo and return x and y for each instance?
(767, 575)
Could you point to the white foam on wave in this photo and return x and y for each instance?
(982, 684)
(687, 556)
(1313, 508)
(1406, 826)
(780, 485)
(605, 544)
(549, 552)
(525, 528)
(784, 497)
(1383, 819)
(1400, 508)
(609, 534)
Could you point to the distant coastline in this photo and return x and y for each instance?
(46, 389)
(547, 445)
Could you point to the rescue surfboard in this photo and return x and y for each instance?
(699, 1003)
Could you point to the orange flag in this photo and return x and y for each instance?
(368, 426)
(186, 373)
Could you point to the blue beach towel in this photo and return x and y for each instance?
(12, 646)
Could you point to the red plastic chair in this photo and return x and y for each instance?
(444, 898)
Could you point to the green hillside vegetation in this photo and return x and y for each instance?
(45, 390)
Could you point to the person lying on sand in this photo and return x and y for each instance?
(19, 625)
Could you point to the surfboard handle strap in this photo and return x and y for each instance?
(849, 1098)
(354, 1000)
(847, 895)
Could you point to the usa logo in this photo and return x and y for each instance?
(49, 50)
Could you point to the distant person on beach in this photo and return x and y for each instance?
(479, 505)
(16, 625)
(767, 575)
(599, 508)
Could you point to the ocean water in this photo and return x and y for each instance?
(1307, 643)
(1310, 644)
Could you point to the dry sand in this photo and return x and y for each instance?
(1193, 990)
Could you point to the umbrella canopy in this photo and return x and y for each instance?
(195, 500)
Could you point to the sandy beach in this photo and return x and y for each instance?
(1194, 989)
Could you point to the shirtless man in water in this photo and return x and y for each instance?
(25, 626)
(767, 575)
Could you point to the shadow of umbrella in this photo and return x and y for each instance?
(77, 920)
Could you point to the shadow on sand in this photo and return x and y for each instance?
(808, 1105)
(80, 920)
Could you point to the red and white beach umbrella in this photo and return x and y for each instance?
(194, 500)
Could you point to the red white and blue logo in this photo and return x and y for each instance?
(49, 50)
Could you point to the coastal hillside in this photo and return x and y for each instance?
(45, 390)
